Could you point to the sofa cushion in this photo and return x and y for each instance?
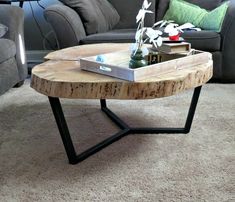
(3, 30)
(206, 4)
(7, 49)
(114, 36)
(97, 15)
(129, 10)
(203, 40)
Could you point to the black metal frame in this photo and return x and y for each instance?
(125, 129)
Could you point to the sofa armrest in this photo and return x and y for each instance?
(13, 18)
(228, 45)
(66, 23)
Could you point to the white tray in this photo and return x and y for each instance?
(116, 64)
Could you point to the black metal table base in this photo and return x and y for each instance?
(125, 129)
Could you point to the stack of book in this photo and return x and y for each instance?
(174, 48)
(168, 51)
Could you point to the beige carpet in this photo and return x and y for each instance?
(197, 167)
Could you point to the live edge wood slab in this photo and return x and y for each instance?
(62, 77)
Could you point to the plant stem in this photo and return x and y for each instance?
(141, 33)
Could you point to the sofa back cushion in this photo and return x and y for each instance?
(128, 10)
(97, 15)
(206, 4)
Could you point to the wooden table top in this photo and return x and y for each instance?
(62, 77)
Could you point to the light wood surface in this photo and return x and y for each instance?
(65, 79)
(76, 52)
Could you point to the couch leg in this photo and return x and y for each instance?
(20, 83)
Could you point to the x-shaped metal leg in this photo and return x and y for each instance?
(125, 129)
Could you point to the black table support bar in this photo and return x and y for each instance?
(125, 129)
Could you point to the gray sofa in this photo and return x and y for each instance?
(13, 69)
(70, 31)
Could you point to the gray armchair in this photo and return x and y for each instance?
(13, 66)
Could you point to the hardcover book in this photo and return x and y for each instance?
(173, 48)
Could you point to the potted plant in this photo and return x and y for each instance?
(137, 57)
(150, 34)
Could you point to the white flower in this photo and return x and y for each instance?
(146, 4)
(173, 32)
(157, 42)
(139, 34)
(186, 26)
(152, 34)
(172, 29)
(158, 23)
(162, 23)
(141, 15)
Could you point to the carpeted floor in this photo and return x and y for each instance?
(197, 167)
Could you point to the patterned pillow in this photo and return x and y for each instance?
(3, 30)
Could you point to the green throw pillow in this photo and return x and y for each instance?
(182, 12)
(213, 20)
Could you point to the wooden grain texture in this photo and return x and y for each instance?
(65, 79)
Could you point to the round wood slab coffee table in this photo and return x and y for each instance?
(61, 77)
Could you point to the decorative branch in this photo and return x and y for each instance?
(151, 33)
